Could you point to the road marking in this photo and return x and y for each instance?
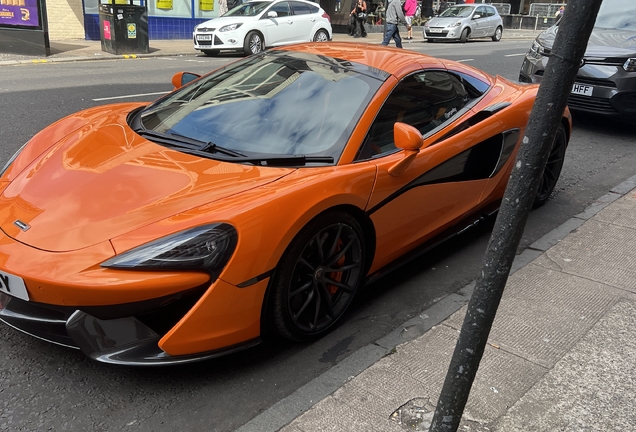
(129, 96)
(514, 55)
(464, 60)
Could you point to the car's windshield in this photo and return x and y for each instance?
(617, 14)
(457, 12)
(248, 9)
(273, 104)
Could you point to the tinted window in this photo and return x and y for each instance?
(300, 8)
(491, 11)
(282, 9)
(481, 11)
(424, 100)
(298, 104)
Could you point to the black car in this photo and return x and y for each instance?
(606, 81)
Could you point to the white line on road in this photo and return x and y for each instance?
(514, 55)
(464, 60)
(130, 96)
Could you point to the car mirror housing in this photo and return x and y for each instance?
(476, 16)
(182, 78)
(409, 139)
(272, 14)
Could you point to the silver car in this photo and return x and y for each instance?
(606, 81)
(463, 22)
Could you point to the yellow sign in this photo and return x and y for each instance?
(164, 4)
(206, 5)
(121, 1)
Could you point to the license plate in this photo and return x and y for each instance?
(13, 285)
(434, 30)
(204, 37)
(581, 89)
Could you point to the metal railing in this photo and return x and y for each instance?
(502, 8)
(544, 9)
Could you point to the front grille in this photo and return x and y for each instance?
(591, 103)
(205, 29)
(595, 81)
(442, 34)
(204, 43)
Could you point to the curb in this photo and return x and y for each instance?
(287, 409)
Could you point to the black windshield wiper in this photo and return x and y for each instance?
(284, 160)
(186, 143)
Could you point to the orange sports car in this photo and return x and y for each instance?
(257, 199)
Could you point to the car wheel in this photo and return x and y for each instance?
(464, 37)
(321, 36)
(317, 277)
(253, 43)
(553, 168)
(211, 53)
(430, 40)
(497, 36)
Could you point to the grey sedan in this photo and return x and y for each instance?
(463, 22)
(606, 81)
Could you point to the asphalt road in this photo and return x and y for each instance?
(43, 386)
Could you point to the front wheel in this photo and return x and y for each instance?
(317, 277)
(553, 167)
(253, 43)
(497, 36)
(464, 37)
(321, 36)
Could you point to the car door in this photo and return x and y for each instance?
(304, 21)
(280, 29)
(480, 22)
(491, 21)
(445, 180)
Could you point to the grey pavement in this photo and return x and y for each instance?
(85, 50)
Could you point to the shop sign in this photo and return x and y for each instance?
(19, 13)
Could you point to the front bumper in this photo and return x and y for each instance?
(215, 40)
(613, 90)
(442, 33)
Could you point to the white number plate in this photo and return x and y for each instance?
(204, 37)
(13, 285)
(581, 89)
(434, 30)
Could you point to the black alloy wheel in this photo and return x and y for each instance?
(553, 167)
(318, 277)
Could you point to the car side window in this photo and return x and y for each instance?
(281, 9)
(490, 11)
(481, 11)
(300, 8)
(425, 100)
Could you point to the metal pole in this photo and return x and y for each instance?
(568, 50)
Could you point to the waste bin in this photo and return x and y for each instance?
(123, 28)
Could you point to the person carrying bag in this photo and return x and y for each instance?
(359, 16)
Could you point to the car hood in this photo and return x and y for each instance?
(443, 22)
(602, 42)
(217, 23)
(103, 180)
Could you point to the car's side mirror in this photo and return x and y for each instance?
(409, 139)
(182, 78)
(272, 14)
(476, 16)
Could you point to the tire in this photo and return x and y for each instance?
(211, 53)
(321, 36)
(497, 36)
(253, 43)
(430, 40)
(553, 167)
(317, 277)
(464, 36)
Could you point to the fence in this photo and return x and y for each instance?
(544, 9)
(502, 8)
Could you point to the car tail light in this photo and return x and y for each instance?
(326, 15)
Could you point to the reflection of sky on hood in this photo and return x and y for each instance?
(307, 117)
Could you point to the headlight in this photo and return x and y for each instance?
(536, 47)
(230, 27)
(457, 24)
(10, 161)
(207, 248)
(630, 65)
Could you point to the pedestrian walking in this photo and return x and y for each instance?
(394, 15)
(443, 5)
(410, 6)
(359, 16)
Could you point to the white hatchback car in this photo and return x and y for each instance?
(465, 21)
(255, 25)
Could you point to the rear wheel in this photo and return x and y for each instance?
(497, 36)
(211, 53)
(317, 277)
(464, 36)
(553, 168)
(321, 36)
(253, 43)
